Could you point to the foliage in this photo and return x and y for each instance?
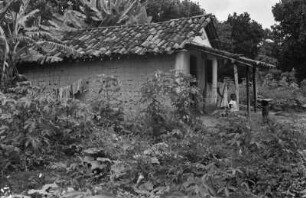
(265, 160)
(174, 90)
(279, 86)
(124, 12)
(291, 35)
(224, 31)
(103, 13)
(172, 9)
(240, 34)
(282, 87)
(241, 159)
(267, 52)
(246, 34)
(33, 126)
(23, 38)
(303, 87)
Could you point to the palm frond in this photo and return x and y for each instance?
(35, 56)
(4, 10)
(75, 18)
(4, 47)
(49, 46)
(22, 19)
(127, 11)
(59, 27)
(25, 39)
(1, 31)
(40, 34)
(31, 29)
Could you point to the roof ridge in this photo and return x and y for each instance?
(147, 24)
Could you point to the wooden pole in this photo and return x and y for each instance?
(255, 88)
(248, 90)
(236, 85)
(215, 80)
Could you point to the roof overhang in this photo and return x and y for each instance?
(234, 58)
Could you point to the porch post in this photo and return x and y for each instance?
(214, 80)
(255, 88)
(248, 90)
(182, 62)
(236, 85)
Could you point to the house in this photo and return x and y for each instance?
(131, 53)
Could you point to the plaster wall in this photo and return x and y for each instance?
(131, 73)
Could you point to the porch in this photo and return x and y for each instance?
(204, 62)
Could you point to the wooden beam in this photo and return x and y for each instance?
(228, 55)
(236, 85)
(255, 88)
(228, 58)
(248, 90)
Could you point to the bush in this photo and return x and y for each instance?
(266, 160)
(279, 86)
(34, 125)
(168, 98)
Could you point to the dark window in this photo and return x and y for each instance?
(193, 66)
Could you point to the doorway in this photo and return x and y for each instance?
(193, 69)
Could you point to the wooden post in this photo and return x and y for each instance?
(236, 85)
(255, 88)
(248, 90)
(214, 80)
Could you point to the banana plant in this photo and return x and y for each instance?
(105, 13)
(112, 12)
(24, 38)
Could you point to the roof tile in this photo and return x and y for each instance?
(164, 37)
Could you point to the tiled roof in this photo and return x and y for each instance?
(156, 38)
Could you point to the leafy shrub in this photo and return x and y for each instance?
(266, 160)
(34, 125)
(168, 98)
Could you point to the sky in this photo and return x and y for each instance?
(259, 10)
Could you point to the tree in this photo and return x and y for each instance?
(291, 33)
(268, 48)
(241, 35)
(24, 39)
(163, 10)
(246, 34)
(224, 31)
